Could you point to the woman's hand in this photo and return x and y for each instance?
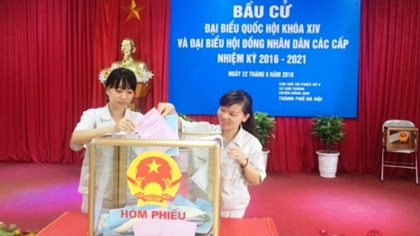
(125, 125)
(165, 108)
(237, 154)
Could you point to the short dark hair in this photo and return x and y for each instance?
(243, 98)
(121, 76)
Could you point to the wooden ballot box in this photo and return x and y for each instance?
(400, 138)
(135, 181)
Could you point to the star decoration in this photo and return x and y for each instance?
(133, 10)
(153, 167)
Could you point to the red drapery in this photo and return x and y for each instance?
(150, 33)
(53, 51)
(46, 64)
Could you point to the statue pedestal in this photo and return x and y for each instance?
(139, 100)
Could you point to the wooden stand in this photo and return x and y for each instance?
(139, 101)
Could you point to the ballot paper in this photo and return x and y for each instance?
(153, 126)
(150, 227)
(200, 177)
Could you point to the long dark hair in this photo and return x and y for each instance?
(242, 98)
(122, 76)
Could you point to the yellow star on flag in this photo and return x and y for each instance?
(153, 167)
(133, 10)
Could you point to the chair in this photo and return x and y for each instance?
(399, 136)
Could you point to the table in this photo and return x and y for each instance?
(76, 224)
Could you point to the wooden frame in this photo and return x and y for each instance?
(121, 146)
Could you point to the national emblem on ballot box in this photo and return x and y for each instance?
(400, 138)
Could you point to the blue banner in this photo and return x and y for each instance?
(295, 58)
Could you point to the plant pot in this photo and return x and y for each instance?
(327, 163)
(265, 157)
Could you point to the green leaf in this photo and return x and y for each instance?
(264, 126)
(329, 130)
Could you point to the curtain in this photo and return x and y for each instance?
(46, 49)
(150, 33)
(53, 52)
(389, 74)
(389, 83)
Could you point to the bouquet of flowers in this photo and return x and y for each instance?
(142, 76)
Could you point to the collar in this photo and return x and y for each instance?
(238, 139)
(105, 114)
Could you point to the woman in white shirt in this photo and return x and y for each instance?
(114, 117)
(242, 157)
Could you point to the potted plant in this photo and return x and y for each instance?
(329, 130)
(13, 230)
(185, 117)
(264, 126)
